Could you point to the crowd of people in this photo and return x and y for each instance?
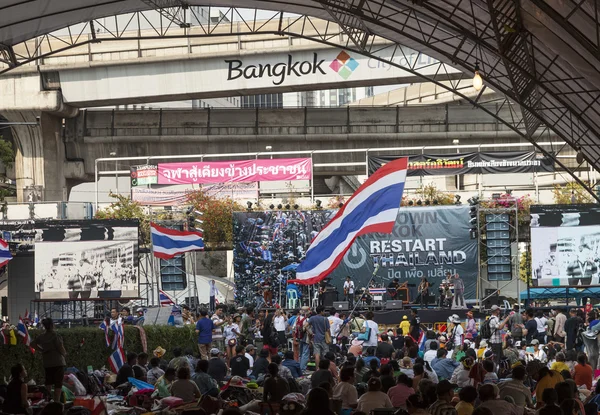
(320, 361)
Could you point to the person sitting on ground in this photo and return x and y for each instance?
(178, 360)
(345, 390)
(387, 378)
(443, 366)
(260, 365)
(139, 370)
(560, 364)
(384, 350)
(490, 374)
(239, 363)
(429, 372)
(431, 353)
(460, 376)
(184, 388)
(372, 372)
(488, 395)
(55, 408)
(565, 391)
(284, 372)
(155, 371)
(399, 394)
(317, 402)
(16, 397)
(582, 372)
(419, 372)
(374, 398)
(322, 375)
(466, 404)
(275, 387)
(570, 407)
(126, 371)
(332, 367)
(360, 370)
(546, 379)
(406, 366)
(217, 368)
(515, 388)
(291, 364)
(163, 384)
(415, 405)
(206, 384)
(371, 356)
(445, 393)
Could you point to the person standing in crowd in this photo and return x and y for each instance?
(515, 322)
(559, 326)
(204, 330)
(530, 331)
(445, 393)
(250, 354)
(319, 325)
(384, 350)
(415, 325)
(424, 292)
(248, 327)
(540, 322)
(457, 333)
(301, 336)
(373, 329)
(349, 292)
(212, 295)
(232, 334)
(471, 327)
(219, 320)
(459, 292)
(405, 326)
(280, 325)
(572, 328)
(53, 352)
(496, 327)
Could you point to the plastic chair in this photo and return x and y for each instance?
(292, 299)
(315, 299)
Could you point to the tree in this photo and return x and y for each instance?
(525, 265)
(217, 216)
(125, 208)
(571, 193)
(428, 194)
(7, 158)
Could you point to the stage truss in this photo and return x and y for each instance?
(492, 35)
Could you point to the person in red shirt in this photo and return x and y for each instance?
(583, 372)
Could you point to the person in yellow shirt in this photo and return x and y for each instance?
(405, 326)
(482, 348)
(547, 379)
(560, 364)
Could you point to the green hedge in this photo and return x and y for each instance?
(94, 351)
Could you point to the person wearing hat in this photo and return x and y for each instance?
(445, 393)
(406, 367)
(139, 321)
(217, 368)
(538, 353)
(496, 326)
(457, 333)
(405, 326)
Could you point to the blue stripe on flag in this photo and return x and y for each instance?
(386, 198)
(168, 243)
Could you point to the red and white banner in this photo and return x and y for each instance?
(235, 171)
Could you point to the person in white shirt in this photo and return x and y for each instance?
(538, 353)
(250, 353)
(457, 332)
(280, 322)
(335, 323)
(212, 295)
(349, 291)
(431, 353)
(231, 333)
(369, 323)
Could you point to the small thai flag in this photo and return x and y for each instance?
(104, 328)
(24, 333)
(117, 359)
(119, 339)
(373, 208)
(5, 254)
(165, 299)
(36, 319)
(421, 342)
(168, 243)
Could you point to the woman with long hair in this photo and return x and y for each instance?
(317, 403)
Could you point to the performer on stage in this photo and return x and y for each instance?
(424, 291)
(349, 292)
(394, 286)
(459, 291)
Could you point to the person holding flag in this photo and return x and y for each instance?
(53, 352)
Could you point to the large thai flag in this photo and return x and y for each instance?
(168, 243)
(372, 208)
(104, 327)
(23, 332)
(117, 359)
(165, 299)
(119, 338)
(5, 254)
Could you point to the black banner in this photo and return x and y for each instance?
(469, 163)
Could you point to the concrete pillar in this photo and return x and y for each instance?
(40, 156)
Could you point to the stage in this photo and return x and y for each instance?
(427, 316)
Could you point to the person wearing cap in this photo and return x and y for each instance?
(217, 368)
(538, 352)
(496, 327)
(457, 333)
(405, 326)
(445, 393)
(488, 395)
(139, 321)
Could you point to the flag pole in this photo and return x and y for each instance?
(155, 268)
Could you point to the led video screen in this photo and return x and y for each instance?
(81, 260)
